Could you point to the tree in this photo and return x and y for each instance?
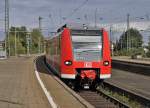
(21, 40)
(134, 42)
(148, 47)
(20, 33)
(37, 38)
(134, 39)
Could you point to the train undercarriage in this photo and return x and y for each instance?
(85, 79)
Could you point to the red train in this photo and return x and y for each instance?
(80, 55)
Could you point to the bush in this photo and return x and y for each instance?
(148, 54)
(131, 52)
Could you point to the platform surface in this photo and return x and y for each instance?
(134, 82)
(128, 59)
(18, 85)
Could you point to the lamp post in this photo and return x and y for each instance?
(15, 43)
(28, 38)
(128, 32)
(95, 17)
(7, 27)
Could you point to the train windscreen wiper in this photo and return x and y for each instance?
(89, 50)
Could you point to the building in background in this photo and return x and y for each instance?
(2, 50)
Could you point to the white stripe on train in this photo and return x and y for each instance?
(103, 76)
(72, 76)
(68, 76)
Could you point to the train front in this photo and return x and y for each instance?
(91, 61)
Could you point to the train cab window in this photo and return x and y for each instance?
(87, 45)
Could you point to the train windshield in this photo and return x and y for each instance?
(87, 47)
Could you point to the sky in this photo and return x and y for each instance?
(58, 12)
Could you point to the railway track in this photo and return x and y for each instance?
(95, 99)
(101, 100)
(134, 67)
(129, 97)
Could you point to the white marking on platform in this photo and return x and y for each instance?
(49, 97)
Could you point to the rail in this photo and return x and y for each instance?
(143, 101)
(134, 67)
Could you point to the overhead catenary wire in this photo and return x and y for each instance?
(75, 10)
(66, 18)
(52, 21)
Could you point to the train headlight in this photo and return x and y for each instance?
(68, 62)
(85, 27)
(106, 63)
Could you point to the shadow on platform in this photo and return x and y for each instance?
(42, 67)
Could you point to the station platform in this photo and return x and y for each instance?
(18, 85)
(136, 83)
(135, 78)
(128, 59)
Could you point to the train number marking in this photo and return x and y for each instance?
(88, 64)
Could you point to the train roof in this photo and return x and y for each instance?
(76, 29)
(77, 26)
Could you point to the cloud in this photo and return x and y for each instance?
(26, 12)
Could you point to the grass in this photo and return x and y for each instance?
(121, 97)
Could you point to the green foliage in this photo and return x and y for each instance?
(131, 52)
(148, 54)
(36, 38)
(148, 47)
(21, 40)
(134, 39)
(134, 43)
(20, 48)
